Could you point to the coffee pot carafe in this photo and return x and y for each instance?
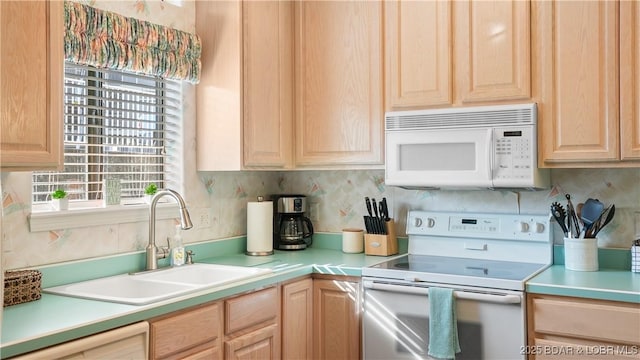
(292, 229)
(295, 228)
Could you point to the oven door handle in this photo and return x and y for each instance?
(459, 294)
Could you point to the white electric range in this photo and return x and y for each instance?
(485, 258)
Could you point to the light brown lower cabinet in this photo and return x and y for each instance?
(195, 333)
(127, 342)
(252, 325)
(575, 328)
(336, 317)
(297, 319)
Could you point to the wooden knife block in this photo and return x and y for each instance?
(382, 245)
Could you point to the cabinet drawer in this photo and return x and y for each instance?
(128, 342)
(176, 333)
(587, 319)
(249, 310)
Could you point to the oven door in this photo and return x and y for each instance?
(439, 158)
(491, 325)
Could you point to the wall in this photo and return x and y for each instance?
(339, 198)
(336, 196)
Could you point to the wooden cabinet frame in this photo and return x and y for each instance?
(31, 85)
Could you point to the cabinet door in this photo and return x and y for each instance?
(630, 79)
(338, 83)
(336, 319)
(297, 320)
(492, 50)
(31, 44)
(418, 54)
(260, 344)
(268, 83)
(575, 52)
(219, 93)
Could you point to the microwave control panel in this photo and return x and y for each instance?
(514, 153)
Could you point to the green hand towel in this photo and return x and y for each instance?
(443, 327)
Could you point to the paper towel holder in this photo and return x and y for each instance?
(264, 251)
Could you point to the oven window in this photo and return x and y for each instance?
(415, 337)
(435, 157)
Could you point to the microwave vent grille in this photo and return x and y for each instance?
(461, 117)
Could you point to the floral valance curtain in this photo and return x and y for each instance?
(108, 40)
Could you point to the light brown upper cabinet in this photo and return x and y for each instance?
(587, 93)
(247, 95)
(339, 89)
(244, 99)
(268, 83)
(630, 79)
(456, 53)
(31, 45)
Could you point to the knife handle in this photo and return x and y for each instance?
(385, 208)
(375, 207)
(368, 204)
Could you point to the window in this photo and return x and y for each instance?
(117, 125)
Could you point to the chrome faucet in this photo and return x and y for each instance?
(185, 223)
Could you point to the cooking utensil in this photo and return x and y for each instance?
(386, 209)
(375, 207)
(608, 218)
(591, 211)
(604, 218)
(375, 218)
(560, 216)
(368, 219)
(579, 214)
(383, 225)
(368, 204)
(572, 225)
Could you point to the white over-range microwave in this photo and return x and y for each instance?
(462, 148)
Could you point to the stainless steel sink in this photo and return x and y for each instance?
(149, 287)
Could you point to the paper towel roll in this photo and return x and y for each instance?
(260, 228)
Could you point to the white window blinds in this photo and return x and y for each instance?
(117, 125)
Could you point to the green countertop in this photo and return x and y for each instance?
(55, 319)
(606, 284)
(614, 281)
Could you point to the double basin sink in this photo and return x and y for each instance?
(148, 287)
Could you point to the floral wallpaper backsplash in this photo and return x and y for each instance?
(336, 198)
(336, 201)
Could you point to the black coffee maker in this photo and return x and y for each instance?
(292, 230)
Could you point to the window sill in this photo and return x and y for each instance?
(43, 219)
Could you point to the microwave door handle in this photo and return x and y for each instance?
(459, 294)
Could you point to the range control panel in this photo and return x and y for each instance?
(479, 225)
